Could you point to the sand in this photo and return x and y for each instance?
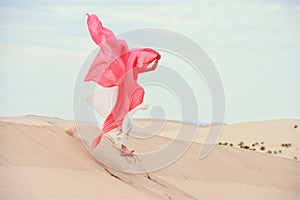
(43, 158)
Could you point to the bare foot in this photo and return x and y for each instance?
(126, 152)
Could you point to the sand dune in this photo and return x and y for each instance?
(40, 160)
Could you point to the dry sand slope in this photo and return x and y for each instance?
(41, 158)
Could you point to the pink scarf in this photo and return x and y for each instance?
(117, 66)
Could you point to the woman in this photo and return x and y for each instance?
(118, 66)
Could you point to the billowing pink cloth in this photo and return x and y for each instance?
(117, 66)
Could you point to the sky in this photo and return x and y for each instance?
(254, 45)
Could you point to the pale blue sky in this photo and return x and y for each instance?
(254, 44)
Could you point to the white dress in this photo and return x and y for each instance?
(120, 136)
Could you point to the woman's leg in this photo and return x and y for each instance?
(124, 142)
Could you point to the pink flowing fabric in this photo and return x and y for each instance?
(116, 65)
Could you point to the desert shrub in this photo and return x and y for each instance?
(231, 144)
(286, 144)
(225, 143)
(275, 152)
(246, 147)
(262, 143)
(295, 126)
(269, 152)
(262, 148)
(295, 158)
(279, 151)
(241, 143)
